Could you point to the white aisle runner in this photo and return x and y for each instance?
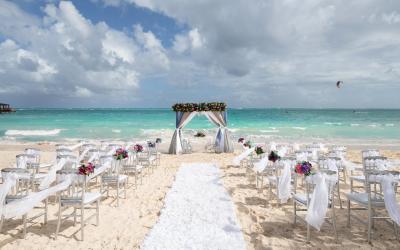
(198, 213)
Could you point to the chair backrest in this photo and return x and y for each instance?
(35, 152)
(24, 182)
(370, 152)
(374, 163)
(92, 155)
(85, 147)
(77, 188)
(25, 160)
(303, 155)
(339, 148)
(330, 163)
(71, 161)
(105, 158)
(63, 151)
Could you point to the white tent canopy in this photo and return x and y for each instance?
(218, 118)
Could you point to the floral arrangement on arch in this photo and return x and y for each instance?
(273, 156)
(304, 168)
(86, 168)
(158, 140)
(259, 150)
(120, 154)
(204, 106)
(138, 148)
(241, 140)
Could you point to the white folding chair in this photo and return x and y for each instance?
(77, 197)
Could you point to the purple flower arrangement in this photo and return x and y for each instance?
(273, 156)
(138, 148)
(259, 150)
(86, 168)
(241, 140)
(303, 168)
(120, 154)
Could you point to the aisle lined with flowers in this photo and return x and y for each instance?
(198, 213)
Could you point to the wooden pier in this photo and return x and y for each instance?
(5, 108)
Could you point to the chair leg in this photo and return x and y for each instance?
(1, 223)
(135, 178)
(295, 212)
(395, 230)
(117, 194)
(58, 221)
(340, 199)
(369, 226)
(24, 221)
(348, 213)
(82, 222)
(334, 221)
(46, 208)
(74, 216)
(97, 212)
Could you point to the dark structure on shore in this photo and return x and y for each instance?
(5, 108)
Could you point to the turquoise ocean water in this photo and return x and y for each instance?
(61, 124)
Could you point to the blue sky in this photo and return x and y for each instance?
(152, 53)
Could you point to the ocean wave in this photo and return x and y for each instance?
(116, 131)
(333, 123)
(299, 128)
(16, 132)
(269, 131)
(389, 125)
(354, 124)
(373, 125)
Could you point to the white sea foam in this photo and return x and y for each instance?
(269, 131)
(373, 125)
(299, 128)
(389, 125)
(354, 124)
(116, 131)
(333, 123)
(16, 132)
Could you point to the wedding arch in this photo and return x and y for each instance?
(216, 114)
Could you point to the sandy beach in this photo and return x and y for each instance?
(265, 223)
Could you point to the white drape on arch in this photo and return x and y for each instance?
(222, 140)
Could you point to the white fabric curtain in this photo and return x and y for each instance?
(182, 119)
(222, 139)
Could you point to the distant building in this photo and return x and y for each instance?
(4, 108)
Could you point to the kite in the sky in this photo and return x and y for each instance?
(338, 83)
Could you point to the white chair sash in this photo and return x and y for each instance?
(261, 164)
(236, 161)
(391, 204)
(319, 199)
(284, 182)
(24, 205)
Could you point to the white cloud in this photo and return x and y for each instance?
(65, 54)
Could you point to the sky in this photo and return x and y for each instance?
(154, 53)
